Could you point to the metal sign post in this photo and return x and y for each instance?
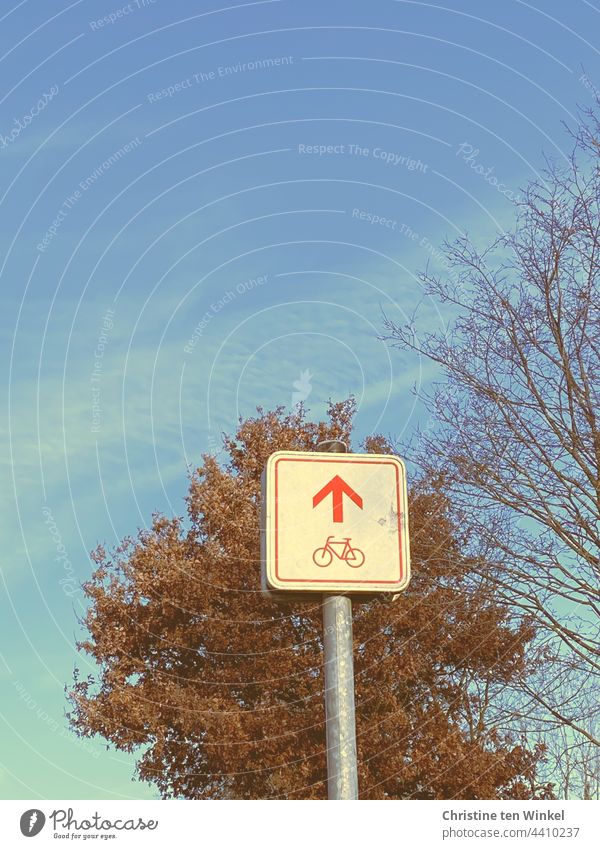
(340, 725)
(340, 722)
(335, 523)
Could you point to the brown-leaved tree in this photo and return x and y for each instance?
(220, 688)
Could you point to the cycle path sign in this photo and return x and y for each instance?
(334, 523)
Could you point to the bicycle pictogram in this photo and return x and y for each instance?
(323, 557)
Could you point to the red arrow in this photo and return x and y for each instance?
(338, 488)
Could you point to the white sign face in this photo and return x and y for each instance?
(335, 522)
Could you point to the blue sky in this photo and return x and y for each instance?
(211, 210)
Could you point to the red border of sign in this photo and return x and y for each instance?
(338, 459)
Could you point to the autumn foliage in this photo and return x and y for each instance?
(219, 688)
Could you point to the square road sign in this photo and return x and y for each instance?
(335, 523)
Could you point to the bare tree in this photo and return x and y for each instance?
(517, 436)
(572, 761)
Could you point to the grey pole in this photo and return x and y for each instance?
(340, 723)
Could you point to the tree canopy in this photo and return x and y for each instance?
(219, 689)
